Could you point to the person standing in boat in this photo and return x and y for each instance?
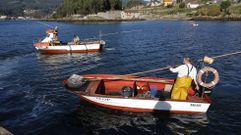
(76, 40)
(186, 73)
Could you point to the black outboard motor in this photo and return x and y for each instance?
(75, 81)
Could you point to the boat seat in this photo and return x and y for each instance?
(168, 87)
(115, 87)
(96, 87)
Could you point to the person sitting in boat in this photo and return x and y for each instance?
(76, 40)
(186, 73)
(55, 37)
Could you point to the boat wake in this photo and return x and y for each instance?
(109, 49)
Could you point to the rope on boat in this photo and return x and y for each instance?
(167, 67)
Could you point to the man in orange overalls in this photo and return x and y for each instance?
(186, 73)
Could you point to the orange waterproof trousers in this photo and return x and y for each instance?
(180, 88)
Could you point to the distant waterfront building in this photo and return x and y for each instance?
(3, 17)
(193, 5)
(129, 15)
(21, 18)
(167, 2)
(155, 3)
(29, 11)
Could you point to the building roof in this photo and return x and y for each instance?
(167, 1)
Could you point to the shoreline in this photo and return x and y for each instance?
(174, 18)
(93, 20)
(205, 18)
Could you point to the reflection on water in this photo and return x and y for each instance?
(76, 63)
(98, 120)
(74, 57)
(188, 124)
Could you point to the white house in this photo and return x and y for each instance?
(154, 3)
(3, 17)
(193, 5)
(130, 15)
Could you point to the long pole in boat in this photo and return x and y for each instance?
(205, 59)
(158, 69)
(223, 55)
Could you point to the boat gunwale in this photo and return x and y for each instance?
(205, 99)
(81, 93)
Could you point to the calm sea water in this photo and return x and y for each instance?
(34, 102)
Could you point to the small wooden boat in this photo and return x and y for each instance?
(134, 93)
(51, 45)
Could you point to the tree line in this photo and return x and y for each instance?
(84, 7)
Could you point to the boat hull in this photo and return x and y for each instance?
(144, 105)
(70, 48)
(133, 93)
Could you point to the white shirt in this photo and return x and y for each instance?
(48, 38)
(183, 71)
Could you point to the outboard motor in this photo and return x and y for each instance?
(75, 81)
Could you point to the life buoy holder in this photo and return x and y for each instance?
(205, 70)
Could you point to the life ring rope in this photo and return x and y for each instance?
(206, 70)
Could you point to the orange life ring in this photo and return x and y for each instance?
(205, 70)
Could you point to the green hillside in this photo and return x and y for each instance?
(85, 7)
(17, 7)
